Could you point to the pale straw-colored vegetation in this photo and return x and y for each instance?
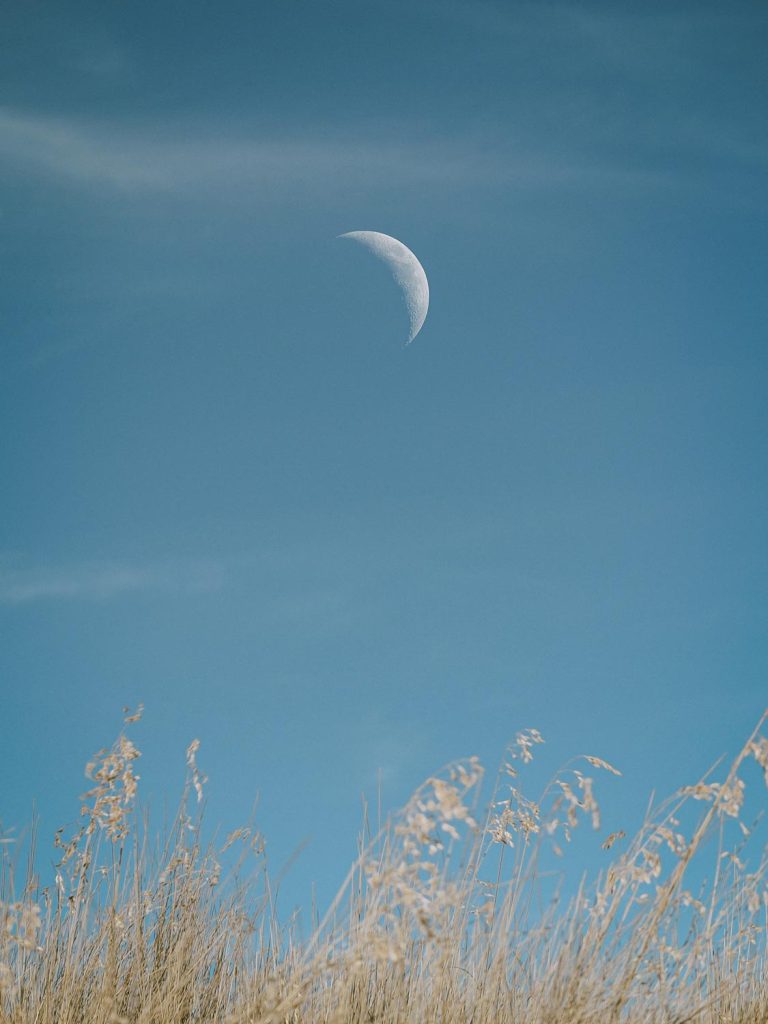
(447, 916)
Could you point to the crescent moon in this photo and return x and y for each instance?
(406, 270)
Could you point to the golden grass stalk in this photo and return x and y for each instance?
(440, 919)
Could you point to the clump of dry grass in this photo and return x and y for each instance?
(439, 919)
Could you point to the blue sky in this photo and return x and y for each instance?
(229, 492)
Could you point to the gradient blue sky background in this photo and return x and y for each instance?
(229, 492)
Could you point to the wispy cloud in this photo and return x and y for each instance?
(102, 581)
(639, 39)
(108, 155)
(124, 158)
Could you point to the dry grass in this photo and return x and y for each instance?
(440, 919)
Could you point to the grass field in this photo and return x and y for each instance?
(441, 918)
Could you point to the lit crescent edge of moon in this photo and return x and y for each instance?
(406, 270)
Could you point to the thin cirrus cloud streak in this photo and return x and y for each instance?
(107, 155)
(103, 581)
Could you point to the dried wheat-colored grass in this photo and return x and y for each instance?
(437, 922)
